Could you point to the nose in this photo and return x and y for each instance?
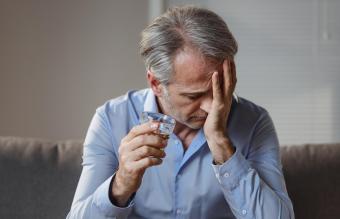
(206, 104)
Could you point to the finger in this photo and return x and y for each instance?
(146, 151)
(153, 140)
(216, 87)
(228, 78)
(147, 162)
(144, 128)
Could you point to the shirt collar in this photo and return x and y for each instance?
(150, 103)
(235, 97)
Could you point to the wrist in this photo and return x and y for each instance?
(119, 195)
(221, 148)
(216, 136)
(218, 139)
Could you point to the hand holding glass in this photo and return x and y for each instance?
(166, 123)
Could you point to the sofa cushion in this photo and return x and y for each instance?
(38, 177)
(312, 174)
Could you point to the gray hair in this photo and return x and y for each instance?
(190, 26)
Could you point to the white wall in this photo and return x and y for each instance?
(60, 60)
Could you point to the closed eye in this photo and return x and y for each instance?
(193, 97)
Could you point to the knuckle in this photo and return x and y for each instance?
(139, 140)
(123, 158)
(133, 130)
(129, 169)
(143, 139)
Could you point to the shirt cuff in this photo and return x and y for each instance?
(230, 172)
(103, 202)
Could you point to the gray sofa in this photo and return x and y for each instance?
(38, 178)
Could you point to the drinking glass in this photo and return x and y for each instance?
(166, 126)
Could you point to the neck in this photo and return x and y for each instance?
(184, 132)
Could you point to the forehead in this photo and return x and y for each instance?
(192, 70)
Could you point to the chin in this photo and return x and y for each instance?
(196, 124)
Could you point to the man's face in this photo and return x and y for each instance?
(188, 97)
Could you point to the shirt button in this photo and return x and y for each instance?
(178, 211)
(244, 212)
(176, 142)
(226, 174)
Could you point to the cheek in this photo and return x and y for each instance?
(184, 106)
(189, 107)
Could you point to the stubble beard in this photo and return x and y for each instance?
(173, 112)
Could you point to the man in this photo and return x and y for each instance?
(222, 161)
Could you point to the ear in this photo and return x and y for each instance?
(154, 83)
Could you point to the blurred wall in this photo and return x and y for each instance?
(60, 60)
(288, 62)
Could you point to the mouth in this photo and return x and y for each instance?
(198, 118)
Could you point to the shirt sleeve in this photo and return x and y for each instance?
(254, 185)
(100, 162)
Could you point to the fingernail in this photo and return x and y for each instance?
(154, 125)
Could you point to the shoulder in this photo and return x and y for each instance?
(250, 125)
(123, 104)
(249, 110)
(246, 116)
(117, 116)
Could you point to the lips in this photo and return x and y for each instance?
(198, 118)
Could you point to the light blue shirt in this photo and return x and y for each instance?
(187, 184)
